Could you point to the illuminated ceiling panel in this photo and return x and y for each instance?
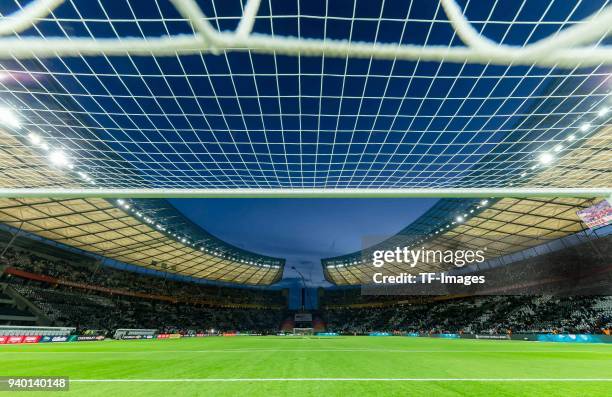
(98, 226)
(501, 226)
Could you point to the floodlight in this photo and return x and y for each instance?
(8, 118)
(59, 159)
(546, 158)
(35, 138)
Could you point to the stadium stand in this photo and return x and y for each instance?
(103, 313)
(483, 314)
(25, 265)
(94, 297)
(98, 297)
(517, 306)
(16, 311)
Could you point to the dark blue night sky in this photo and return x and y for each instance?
(302, 230)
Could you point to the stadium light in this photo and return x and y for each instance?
(34, 138)
(459, 219)
(8, 118)
(120, 201)
(546, 158)
(59, 159)
(603, 112)
(484, 202)
(585, 127)
(571, 138)
(558, 148)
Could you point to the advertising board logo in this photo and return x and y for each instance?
(31, 339)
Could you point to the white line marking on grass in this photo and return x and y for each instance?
(341, 380)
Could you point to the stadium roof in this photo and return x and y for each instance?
(497, 226)
(147, 233)
(161, 98)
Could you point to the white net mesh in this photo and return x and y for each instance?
(371, 95)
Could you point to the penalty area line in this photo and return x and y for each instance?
(341, 380)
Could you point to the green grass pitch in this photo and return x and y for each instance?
(333, 366)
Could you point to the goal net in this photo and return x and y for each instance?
(269, 98)
(303, 331)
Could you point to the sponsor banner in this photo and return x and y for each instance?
(174, 336)
(447, 336)
(48, 338)
(496, 337)
(133, 337)
(229, 334)
(64, 338)
(82, 338)
(16, 339)
(200, 335)
(597, 215)
(31, 339)
(130, 337)
(379, 334)
(567, 338)
(327, 334)
(163, 336)
(413, 334)
(574, 338)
